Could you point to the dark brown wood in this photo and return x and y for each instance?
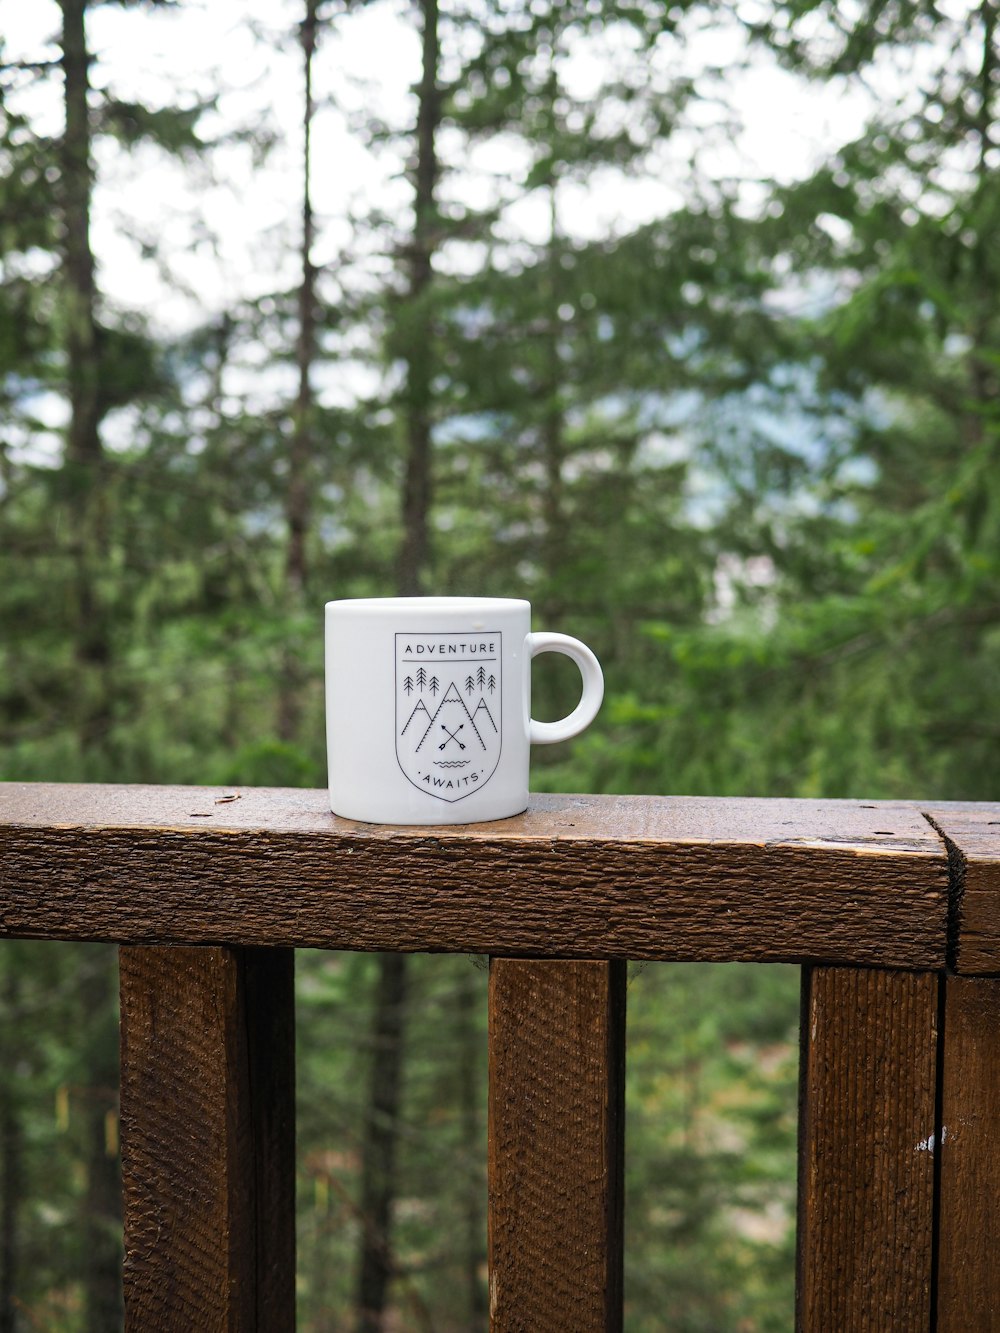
(207, 1115)
(556, 1136)
(968, 1269)
(972, 833)
(866, 1150)
(574, 877)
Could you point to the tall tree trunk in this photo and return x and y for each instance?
(468, 1047)
(297, 506)
(982, 371)
(988, 13)
(297, 498)
(419, 350)
(86, 503)
(87, 508)
(378, 1187)
(83, 366)
(101, 1277)
(102, 1204)
(553, 425)
(11, 1148)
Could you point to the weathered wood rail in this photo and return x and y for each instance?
(892, 909)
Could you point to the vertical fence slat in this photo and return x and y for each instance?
(556, 1133)
(866, 1150)
(207, 1108)
(968, 1270)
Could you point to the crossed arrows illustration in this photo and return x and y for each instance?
(452, 736)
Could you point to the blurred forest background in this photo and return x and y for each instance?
(544, 323)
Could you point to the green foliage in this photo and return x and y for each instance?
(712, 1065)
(174, 129)
(53, 1093)
(440, 1234)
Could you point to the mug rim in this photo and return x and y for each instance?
(437, 605)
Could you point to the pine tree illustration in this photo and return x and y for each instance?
(470, 684)
(492, 683)
(421, 678)
(481, 677)
(408, 684)
(434, 686)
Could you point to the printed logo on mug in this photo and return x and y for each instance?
(428, 707)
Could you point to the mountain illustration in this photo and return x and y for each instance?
(420, 708)
(481, 708)
(449, 722)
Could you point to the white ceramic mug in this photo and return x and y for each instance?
(428, 707)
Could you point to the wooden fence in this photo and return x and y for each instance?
(892, 909)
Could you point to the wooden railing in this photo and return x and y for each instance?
(893, 909)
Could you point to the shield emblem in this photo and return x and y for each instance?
(448, 725)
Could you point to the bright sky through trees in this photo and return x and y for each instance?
(225, 228)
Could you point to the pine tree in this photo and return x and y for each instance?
(412, 336)
(302, 446)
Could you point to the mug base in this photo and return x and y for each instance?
(425, 819)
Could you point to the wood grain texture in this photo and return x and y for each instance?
(972, 833)
(556, 1143)
(866, 1140)
(968, 1270)
(207, 1114)
(670, 878)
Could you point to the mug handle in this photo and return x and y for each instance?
(547, 733)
